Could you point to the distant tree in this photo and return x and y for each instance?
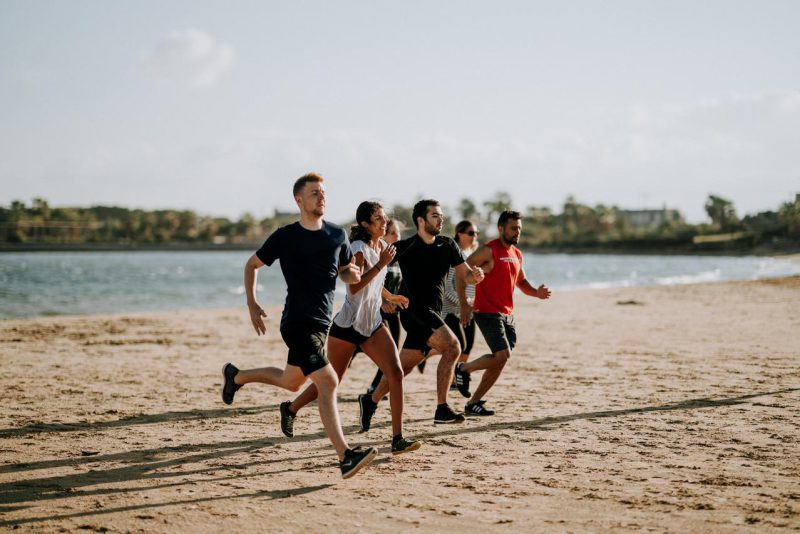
(721, 212)
(789, 215)
(467, 209)
(497, 204)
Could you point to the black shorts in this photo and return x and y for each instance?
(498, 330)
(465, 335)
(306, 342)
(419, 326)
(350, 334)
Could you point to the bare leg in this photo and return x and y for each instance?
(409, 358)
(326, 382)
(340, 353)
(290, 378)
(381, 348)
(445, 342)
(493, 365)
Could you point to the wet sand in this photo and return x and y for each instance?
(665, 409)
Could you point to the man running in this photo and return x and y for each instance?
(493, 310)
(312, 253)
(424, 260)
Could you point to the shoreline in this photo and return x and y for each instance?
(760, 251)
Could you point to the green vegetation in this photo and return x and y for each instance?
(579, 227)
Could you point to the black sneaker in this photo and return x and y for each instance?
(229, 387)
(356, 459)
(404, 445)
(453, 387)
(462, 381)
(445, 415)
(370, 390)
(477, 408)
(287, 419)
(368, 407)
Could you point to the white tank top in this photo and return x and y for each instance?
(362, 310)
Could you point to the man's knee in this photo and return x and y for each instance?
(500, 358)
(325, 379)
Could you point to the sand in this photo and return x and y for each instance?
(666, 409)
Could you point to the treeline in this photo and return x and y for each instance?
(577, 227)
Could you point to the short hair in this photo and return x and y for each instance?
(506, 216)
(303, 180)
(421, 209)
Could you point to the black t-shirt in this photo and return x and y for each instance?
(425, 268)
(310, 261)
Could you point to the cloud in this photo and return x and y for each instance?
(190, 57)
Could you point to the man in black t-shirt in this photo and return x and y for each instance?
(312, 254)
(424, 259)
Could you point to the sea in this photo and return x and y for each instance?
(34, 284)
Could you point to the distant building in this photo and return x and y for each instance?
(649, 219)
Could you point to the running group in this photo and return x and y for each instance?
(437, 287)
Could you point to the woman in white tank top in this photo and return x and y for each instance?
(359, 322)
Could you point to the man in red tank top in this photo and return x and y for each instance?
(493, 310)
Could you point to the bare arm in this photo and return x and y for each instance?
(397, 300)
(350, 273)
(386, 257)
(257, 313)
(525, 286)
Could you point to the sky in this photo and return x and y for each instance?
(219, 106)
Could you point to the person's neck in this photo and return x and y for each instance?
(425, 236)
(310, 221)
(505, 243)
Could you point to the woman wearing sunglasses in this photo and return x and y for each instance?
(466, 236)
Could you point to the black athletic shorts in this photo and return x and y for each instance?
(465, 336)
(350, 334)
(306, 342)
(498, 330)
(419, 326)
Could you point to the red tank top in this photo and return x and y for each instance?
(495, 294)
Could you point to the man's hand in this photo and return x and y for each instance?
(256, 314)
(398, 300)
(542, 292)
(386, 256)
(478, 275)
(465, 313)
(388, 307)
(351, 273)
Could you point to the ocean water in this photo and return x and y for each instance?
(67, 283)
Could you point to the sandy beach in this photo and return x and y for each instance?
(664, 409)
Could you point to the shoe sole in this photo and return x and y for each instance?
(361, 417)
(224, 381)
(365, 461)
(413, 447)
(468, 414)
(448, 422)
(285, 433)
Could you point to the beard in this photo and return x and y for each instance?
(432, 230)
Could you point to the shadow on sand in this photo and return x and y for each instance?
(148, 461)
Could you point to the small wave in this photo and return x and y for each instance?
(238, 290)
(705, 276)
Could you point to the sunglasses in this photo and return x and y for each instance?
(472, 233)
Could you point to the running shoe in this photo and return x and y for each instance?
(229, 387)
(445, 416)
(462, 381)
(405, 445)
(477, 408)
(367, 408)
(287, 419)
(356, 459)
